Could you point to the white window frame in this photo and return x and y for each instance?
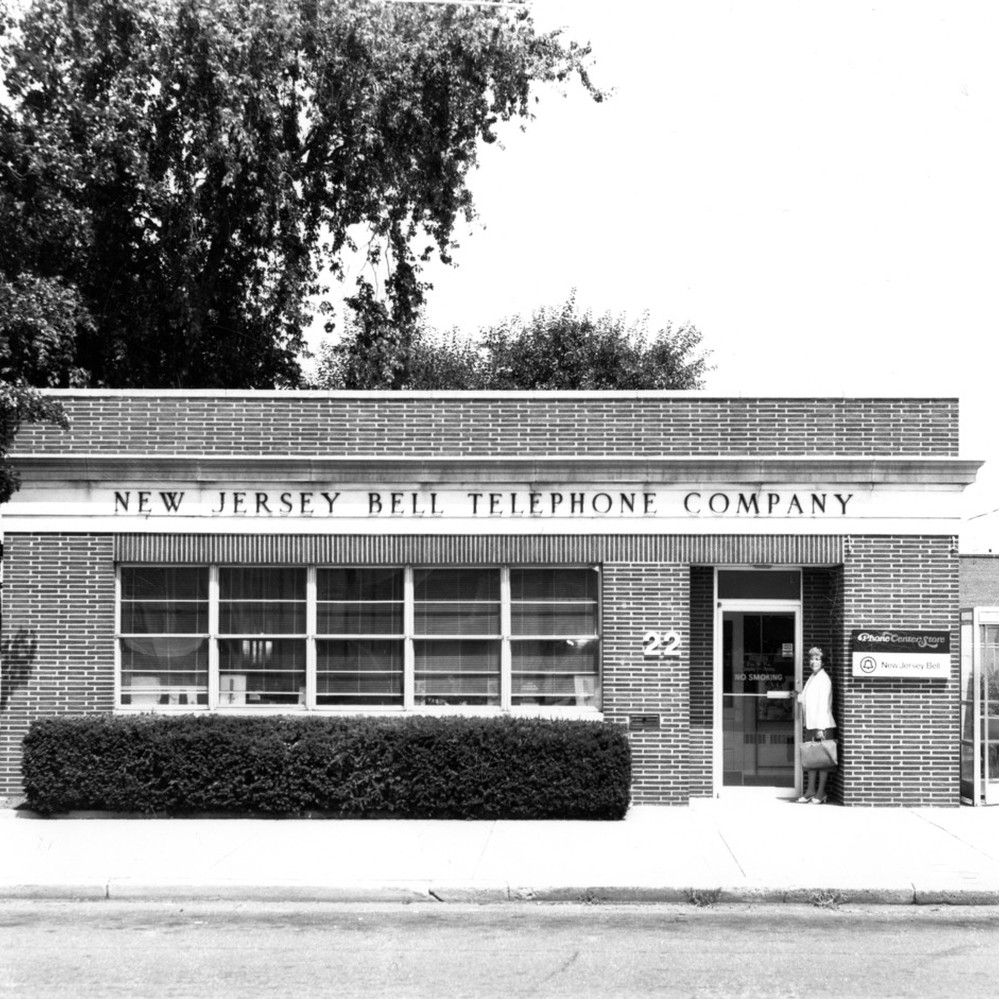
(408, 705)
(216, 637)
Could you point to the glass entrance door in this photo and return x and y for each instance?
(759, 673)
(980, 708)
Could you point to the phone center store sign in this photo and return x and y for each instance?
(886, 652)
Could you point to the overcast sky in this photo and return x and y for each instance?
(815, 186)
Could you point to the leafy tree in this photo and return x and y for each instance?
(190, 169)
(20, 404)
(376, 356)
(566, 349)
(553, 349)
(39, 318)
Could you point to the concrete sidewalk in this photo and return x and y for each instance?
(771, 851)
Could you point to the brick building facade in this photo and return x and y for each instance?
(659, 560)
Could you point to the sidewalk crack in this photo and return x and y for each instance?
(485, 846)
(731, 853)
(953, 835)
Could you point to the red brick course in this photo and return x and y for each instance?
(899, 737)
(639, 597)
(58, 635)
(504, 424)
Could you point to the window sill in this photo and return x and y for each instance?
(464, 711)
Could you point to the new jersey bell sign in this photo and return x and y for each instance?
(889, 652)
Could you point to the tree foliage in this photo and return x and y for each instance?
(38, 322)
(556, 348)
(19, 403)
(182, 173)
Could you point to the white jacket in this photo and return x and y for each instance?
(816, 700)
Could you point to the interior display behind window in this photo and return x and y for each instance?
(261, 635)
(359, 652)
(554, 645)
(359, 637)
(164, 635)
(458, 610)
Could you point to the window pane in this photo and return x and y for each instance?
(164, 617)
(158, 671)
(164, 648)
(164, 582)
(554, 602)
(554, 619)
(555, 672)
(989, 652)
(359, 672)
(261, 671)
(759, 584)
(456, 584)
(464, 618)
(457, 672)
(360, 584)
(457, 601)
(554, 584)
(261, 583)
(360, 619)
(261, 600)
(360, 601)
(261, 618)
(164, 600)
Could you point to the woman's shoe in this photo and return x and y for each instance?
(804, 800)
(818, 801)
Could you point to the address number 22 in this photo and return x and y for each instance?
(661, 643)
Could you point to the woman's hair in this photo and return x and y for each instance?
(821, 652)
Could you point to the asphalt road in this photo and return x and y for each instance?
(61, 949)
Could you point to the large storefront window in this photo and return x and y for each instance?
(359, 637)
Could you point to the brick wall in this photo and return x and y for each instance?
(57, 637)
(898, 737)
(639, 596)
(417, 424)
(702, 674)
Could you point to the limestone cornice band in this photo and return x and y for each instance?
(730, 469)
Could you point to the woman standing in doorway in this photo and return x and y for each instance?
(816, 701)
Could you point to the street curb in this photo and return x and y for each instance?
(497, 894)
(959, 896)
(54, 893)
(591, 894)
(266, 893)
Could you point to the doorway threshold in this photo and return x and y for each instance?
(754, 795)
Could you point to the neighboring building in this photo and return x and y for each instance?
(661, 560)
(980, 679)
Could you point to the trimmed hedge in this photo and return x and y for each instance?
(418, 767)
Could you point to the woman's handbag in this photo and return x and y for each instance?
(819, 755)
